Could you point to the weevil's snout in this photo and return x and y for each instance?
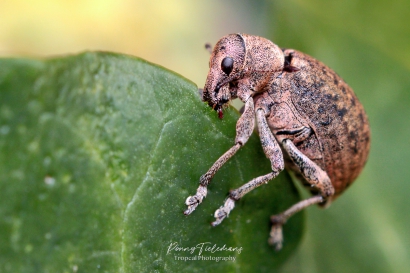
(217, 97)
(216, 91)
(217, 94)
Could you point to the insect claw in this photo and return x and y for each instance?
(219, 215)
(217, 222)
(223, 211)
(193, 201)
(189, 211)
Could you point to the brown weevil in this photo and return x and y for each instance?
(307, 117)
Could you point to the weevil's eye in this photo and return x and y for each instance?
(227, 65)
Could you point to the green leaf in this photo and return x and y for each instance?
(98, 154)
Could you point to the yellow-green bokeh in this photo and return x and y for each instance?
(171, 33)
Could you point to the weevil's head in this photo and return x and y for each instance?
(240, 66)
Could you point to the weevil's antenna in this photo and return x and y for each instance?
(208, 47)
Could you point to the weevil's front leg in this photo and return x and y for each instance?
(244, 128)
(315, 176)
(272, 151)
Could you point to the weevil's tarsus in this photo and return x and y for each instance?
(223, 211)
(193, 201)
(276, 236)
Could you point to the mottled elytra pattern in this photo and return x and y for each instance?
(341, 135)
(308, 119)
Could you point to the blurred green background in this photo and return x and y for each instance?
(366, 42)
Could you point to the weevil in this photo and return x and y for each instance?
(308, 120)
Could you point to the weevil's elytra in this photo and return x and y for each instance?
(308, 120)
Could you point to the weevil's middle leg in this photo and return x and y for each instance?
(244, 129)
(235, 195)
(272, 151)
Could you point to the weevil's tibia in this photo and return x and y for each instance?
(272, 151)
(244, 128)
(276, 236)
(309, 169)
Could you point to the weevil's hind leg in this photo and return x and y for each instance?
(244, 128)
(314, 175)
(272, 151)
(276, 237)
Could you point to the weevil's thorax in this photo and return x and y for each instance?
(241, 66)
(264, 62)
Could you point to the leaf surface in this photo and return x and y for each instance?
(99, 152)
